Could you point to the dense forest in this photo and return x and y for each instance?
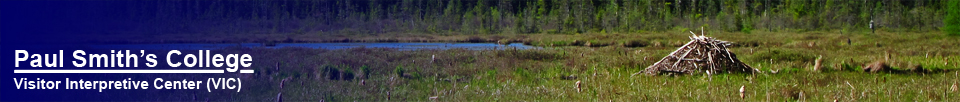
(546, 16)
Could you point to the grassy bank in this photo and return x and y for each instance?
(605, 72)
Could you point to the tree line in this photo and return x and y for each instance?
(554, 16)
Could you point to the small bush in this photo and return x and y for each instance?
(746, 29)
(410, 74)
(364, 71)
(398, 70)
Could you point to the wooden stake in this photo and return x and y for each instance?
(578, 86)
(742, 91)
(818, 63)
(954, 87)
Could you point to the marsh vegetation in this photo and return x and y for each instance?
(786, 60)
(590, 47)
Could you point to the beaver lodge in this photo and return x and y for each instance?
(701, 55)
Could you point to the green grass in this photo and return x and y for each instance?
(549, 74)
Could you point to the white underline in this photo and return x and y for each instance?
(121, 71)
(246, 71)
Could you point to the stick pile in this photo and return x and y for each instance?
(701, 55)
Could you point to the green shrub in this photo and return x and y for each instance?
(365, 71)
(398, 70)
(951, 23)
